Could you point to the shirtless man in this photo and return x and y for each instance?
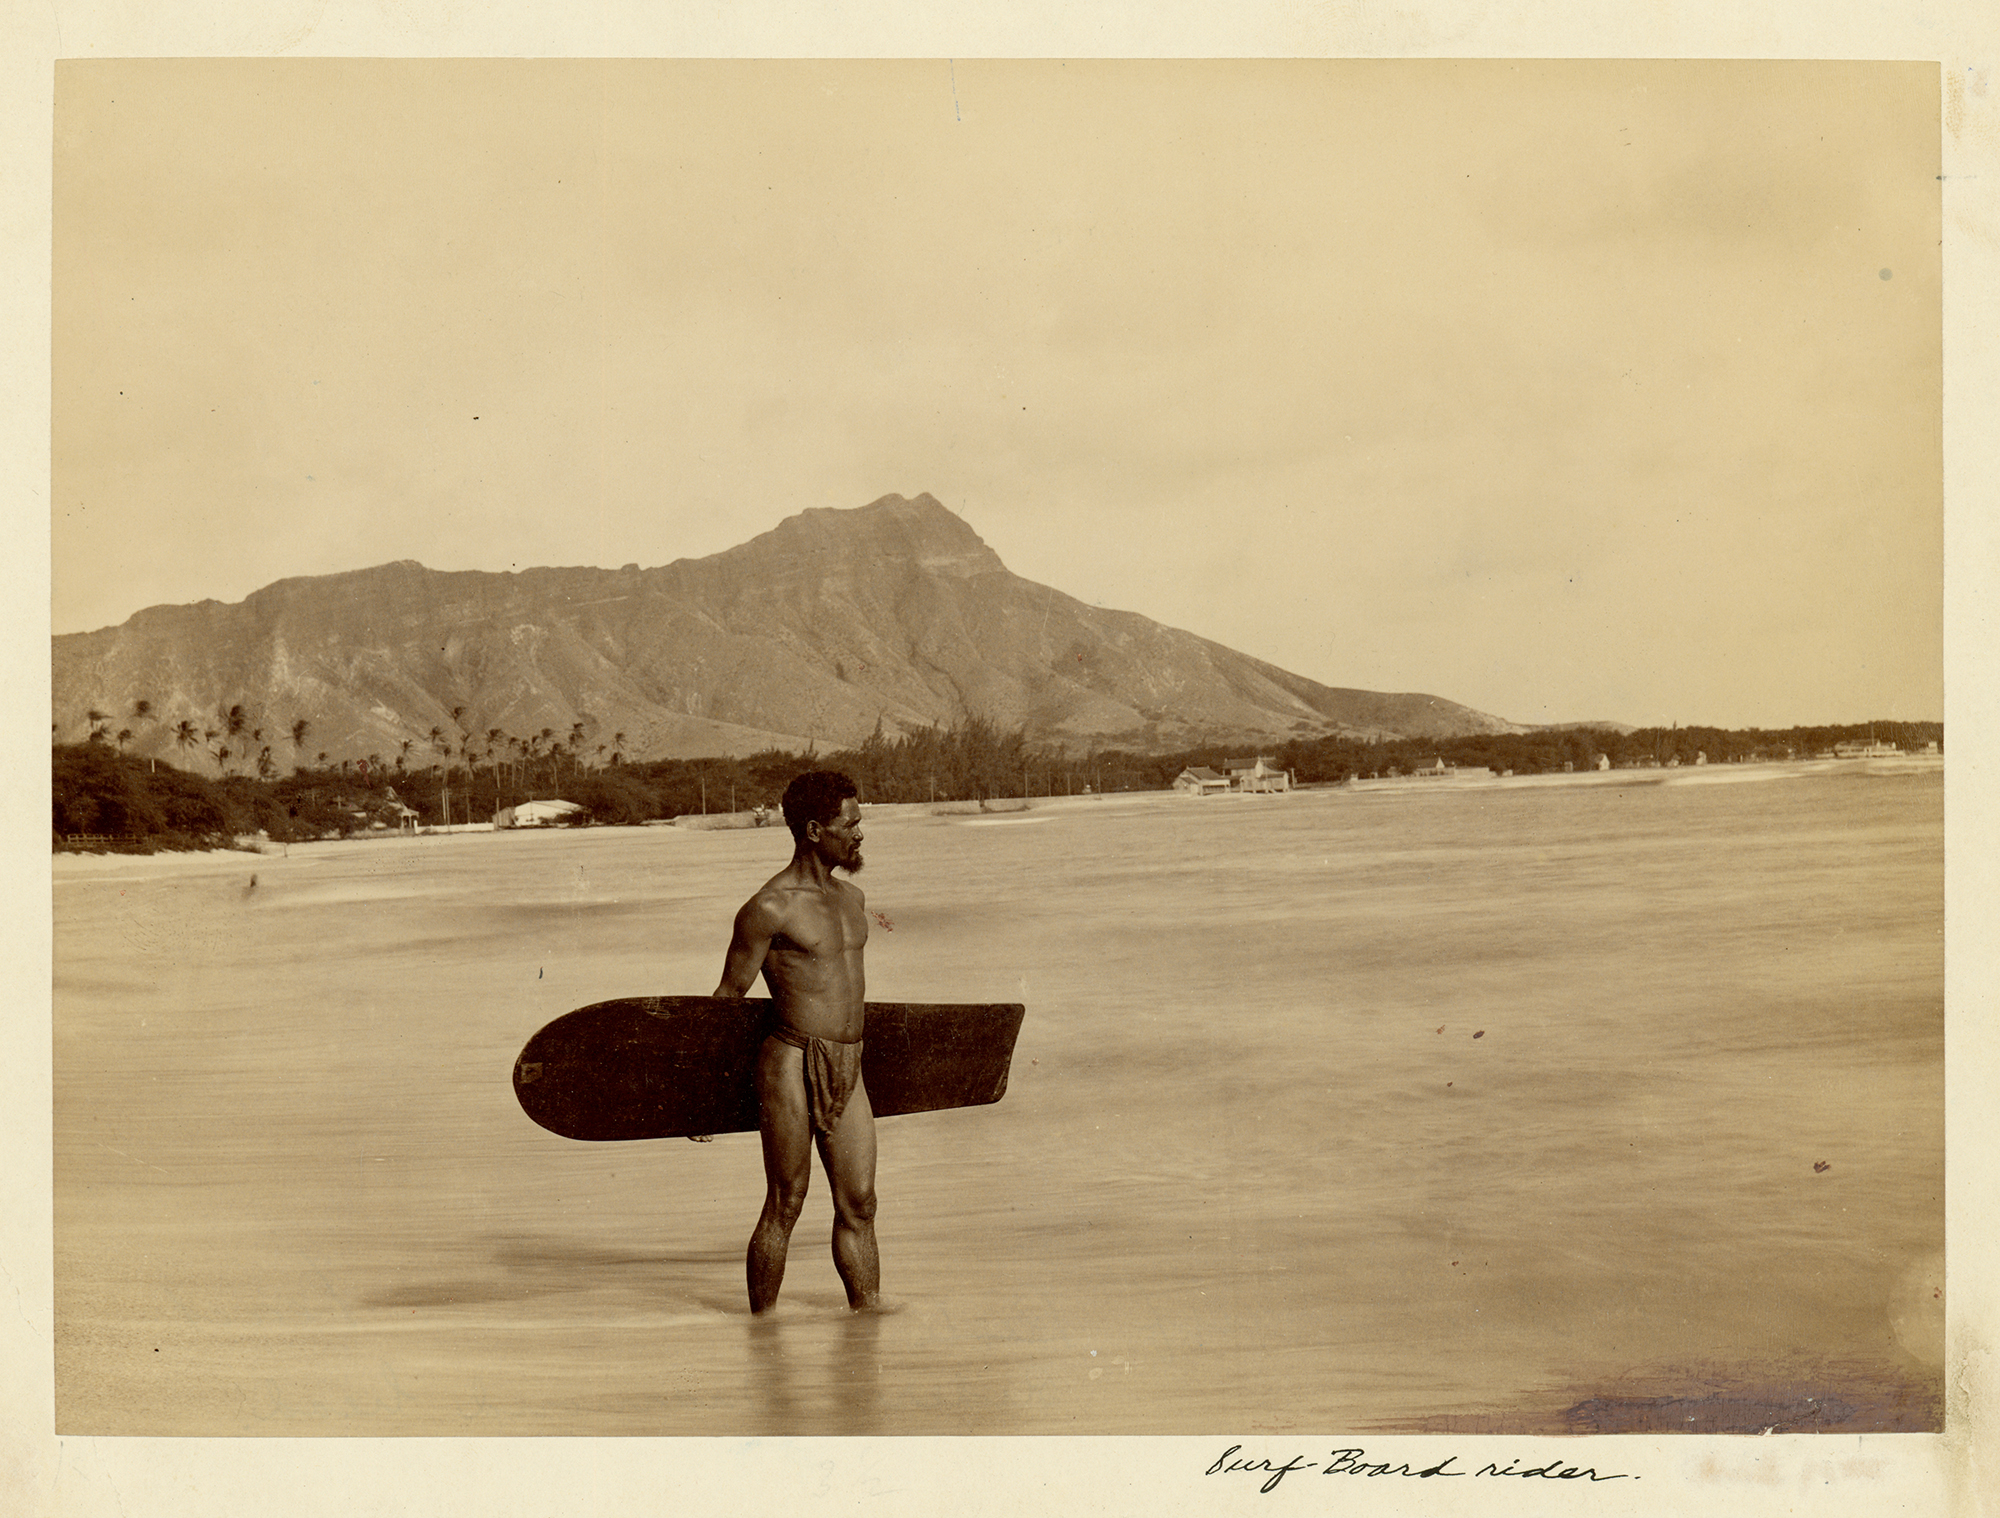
(805, 930)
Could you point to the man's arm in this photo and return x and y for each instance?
(756, 925)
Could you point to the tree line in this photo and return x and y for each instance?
(1552, 750)
(238, 741)
(104, 797)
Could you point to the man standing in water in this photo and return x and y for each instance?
(805, 930)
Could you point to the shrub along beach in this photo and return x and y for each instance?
(107, 800)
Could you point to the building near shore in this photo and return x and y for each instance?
(534, 814)
(1200, 780)
(394, 815)
(1260, 777)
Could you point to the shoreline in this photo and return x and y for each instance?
(66, 865)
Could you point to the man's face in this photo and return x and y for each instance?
(840, 839)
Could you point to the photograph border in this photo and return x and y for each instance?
(1820, 1474)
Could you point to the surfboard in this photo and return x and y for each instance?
(677, 1066)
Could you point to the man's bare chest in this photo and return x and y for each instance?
(821, 930)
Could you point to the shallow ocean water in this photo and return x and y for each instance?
(1527, 1107)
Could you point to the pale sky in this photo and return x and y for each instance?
(1563, 390)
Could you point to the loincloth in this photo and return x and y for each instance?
(833, 1070)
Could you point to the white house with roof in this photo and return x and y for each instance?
(1261, 778)
(1200, 780)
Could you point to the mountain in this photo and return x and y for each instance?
(895, 612)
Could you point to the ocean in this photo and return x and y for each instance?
(1547, 1105)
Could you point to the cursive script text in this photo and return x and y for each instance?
(1351, 1462)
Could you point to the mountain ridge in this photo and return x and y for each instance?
(809, 634)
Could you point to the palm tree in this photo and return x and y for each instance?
(142, 711)
(464, 752)
(185, 735)
(299, 730)
(124, 737)
(235, 723)
(470, 761)
(493, 737)
(98, 725)
(266, 765)
(439, 746)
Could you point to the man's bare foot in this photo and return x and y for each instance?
(881, 1307)
(701, 1138)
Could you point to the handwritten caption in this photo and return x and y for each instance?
(1354, 1462)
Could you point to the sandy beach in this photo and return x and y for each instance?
(1533, 1108)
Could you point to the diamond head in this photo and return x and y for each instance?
(833, 624)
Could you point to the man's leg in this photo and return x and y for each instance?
(787, 1133)
(849, 1156)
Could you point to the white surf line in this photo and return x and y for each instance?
(1729, 775)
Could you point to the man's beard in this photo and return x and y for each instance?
(852, 863)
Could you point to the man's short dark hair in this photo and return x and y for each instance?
(815, 796)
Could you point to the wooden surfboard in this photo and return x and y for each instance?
(677, 1066)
